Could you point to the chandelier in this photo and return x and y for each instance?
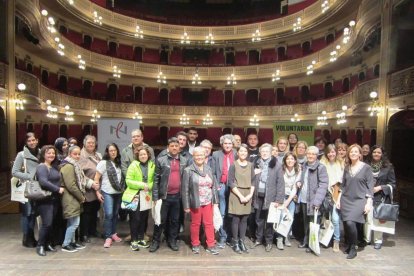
(97, 18)
(341, 117)
(185, 39)
(254, 121)
(348, 32)
(138, 32)
(116, 72)
(325, 6)
(309, 69)
(376, 107)
(68, 114)
(95, 116)
(231, 80)
(207, 121)
(82, 63)
(298, 25)
(137, 117)
(20, 101)
(322, 120)
(184, 120)
(196, 78)
(209, 39)
(276, 76)
(161, 79)
(256, 36)
(51, 110)
(295, 118)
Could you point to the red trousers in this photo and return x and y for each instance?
(203, 214)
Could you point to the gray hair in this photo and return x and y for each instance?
(266, 145)
(312, 149)
(72, 148)
(199, 150)
(87, 137)
(206, 142)
(226, 137)
(137, 130)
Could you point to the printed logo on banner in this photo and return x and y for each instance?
(116, 131)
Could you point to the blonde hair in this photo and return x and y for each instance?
(287, 143)
(295, 149)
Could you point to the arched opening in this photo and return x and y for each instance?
(87, 41)
(305, 93)
(373, 137)
(327, 135)
(163, 135)
(252, 97)
(112, 48)
(30, 127)
(63, 30)
(87, 130)
(328, 90)
(344, 136)
(226, 130)
(164, 56)
(29, 67)
(4, 164)
(230, 59)
(45, 135)
(306, 48)
(361, 76)
(228, 97)
(281, 53)
(138, 54)
(377, 70)
(138, 93)
(63, 131)
(329, 38)
(45, 77)
(345, 85)
(111, 92)
(254, 57)
(280, 96)
(63, 83)
(164, 96)
(359, 136)
(87, 88)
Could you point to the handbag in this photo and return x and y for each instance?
(387, 211)
(17, 187)
(34, 191)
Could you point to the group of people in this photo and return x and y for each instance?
(241, 182)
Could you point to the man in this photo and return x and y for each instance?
(237, 141)
(221, 162)
(167, 186)
(127, 154)
(192, 139)
(252, 143)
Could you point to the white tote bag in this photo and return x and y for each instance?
(145, 201)
(326, 232)
(217, 218)
(274, 214)
(314, 235)
(18, 187)
(156, 212)
(284, 224)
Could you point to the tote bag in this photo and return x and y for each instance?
(17, 187)
(314, 235)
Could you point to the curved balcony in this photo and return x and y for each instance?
(127, 25)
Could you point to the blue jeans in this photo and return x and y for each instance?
(72, 225)
(223, 197)
(28, 218)
(336, 218)
(111, 205)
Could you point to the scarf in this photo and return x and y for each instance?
(264, 165)
(376, 167)
(113, 177)
(81, 179)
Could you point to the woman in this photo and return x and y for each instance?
(62, 146)
(300, 152)
(291, 176)
(74, 181)
(313, 186)
(88, 160)
(342, 150)
(24, 168)
(239, 181)
(385, 183)
(269, 188)
(48, 176)
(140, 176)
(293, 140)
(72, 141)
(355, 199)
(335, 174)
(109, 176)
(282, 145)
(366, 150)
(199, 194)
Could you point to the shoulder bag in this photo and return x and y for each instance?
(34, 191)
(387, 211)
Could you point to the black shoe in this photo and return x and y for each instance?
(377, 246)
(235, 246)
(173, 245)
(50, 248)
(40, 250)
(85, 239)
(29, 241)
(154, 246)
(221, 244)
(69, 248)
(352, 252)
(77, 245)
(303, 245)
(243, 246)
(346, 251)
(255, 244)
(212, 250)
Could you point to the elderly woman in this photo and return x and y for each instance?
(313, 187)
(269, 188)
(24, 168)
(240, 182)
(300, 152)
(385, 184)
(355, 199)
(199, 193)
(89, 158)
(335, 173)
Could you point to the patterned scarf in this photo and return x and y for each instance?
(81, 179)
(376, 167)
(113, 177)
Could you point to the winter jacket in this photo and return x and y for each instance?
(31, 164)
(385, 177)
(135, 179)
(72, 198)
(127, 157)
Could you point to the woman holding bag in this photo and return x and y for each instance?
(24, 168)
(109, 176)
(140, 176)
(385, 183)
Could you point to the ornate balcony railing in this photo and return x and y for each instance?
(402, 83)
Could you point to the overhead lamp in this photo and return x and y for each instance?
(21, 87)
(256, 36)
(375, 107)
(69, 114)
(20, 101)
(51, 21)
(95, 116)
(44, 12)
(161, 79)
(310, 67)
(325, 6)
(138, 32)
(348, 31)
(231, 80)
(298, 25)
(184, 120)
(97, 18)
(334, 56)
(341, 117)
(322, 120)
(254, 121)
(185, 39)
(209, 39)
(207, 121)
(51, 110)
(82, 63)
(116, 72)
(137, 117)
(276, 76)
(196, 78)
(295, 118)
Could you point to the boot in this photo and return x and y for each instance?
(31, 241)
(24, 241)
(279, 243)
(347, 249)
(40, 250)
(235, 246)
(243, 246)
(335, 247)
(352, 252)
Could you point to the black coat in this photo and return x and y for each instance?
(385, 179)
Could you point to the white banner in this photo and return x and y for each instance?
(116, 131)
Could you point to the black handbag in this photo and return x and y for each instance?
(34, 191)
(387, 211)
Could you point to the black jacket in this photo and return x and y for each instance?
(162, 174)
(386, 177)
(189, 186)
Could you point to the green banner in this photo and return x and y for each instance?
(304, 131)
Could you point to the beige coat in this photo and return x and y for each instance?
(88, 164)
